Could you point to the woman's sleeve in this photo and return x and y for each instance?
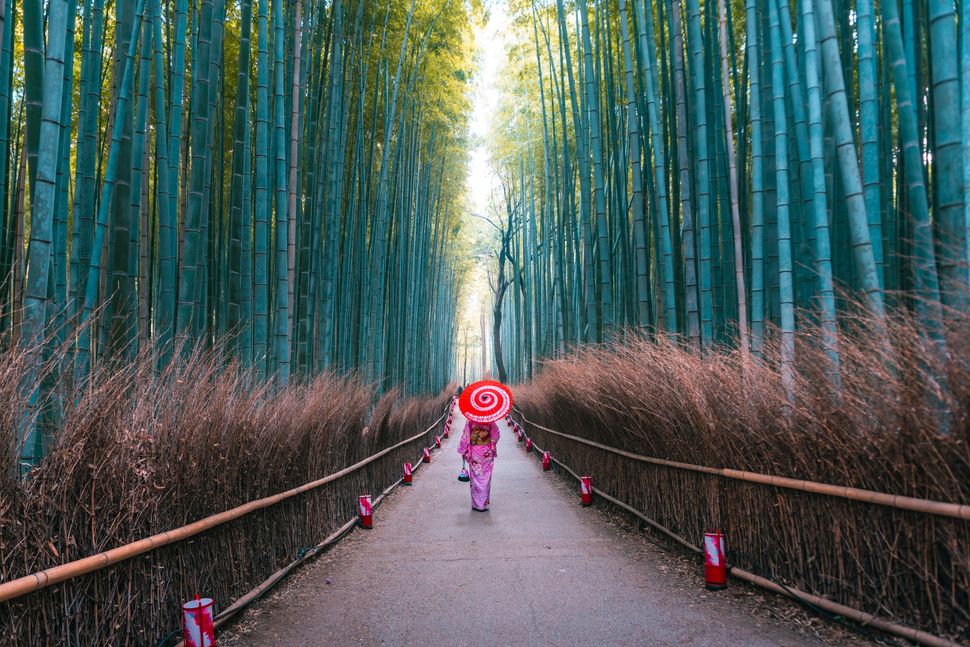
(493, 433)
(465, 440)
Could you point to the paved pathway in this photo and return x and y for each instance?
(537, 569)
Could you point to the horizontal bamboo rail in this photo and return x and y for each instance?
(54, 575)
(861, 617)
(939, 508)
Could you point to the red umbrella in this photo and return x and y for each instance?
(485, 401)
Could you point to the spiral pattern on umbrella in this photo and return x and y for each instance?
(485, 401)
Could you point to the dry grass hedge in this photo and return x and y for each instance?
(881, 433)
(140, 453)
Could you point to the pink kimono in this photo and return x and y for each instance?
(480, 458)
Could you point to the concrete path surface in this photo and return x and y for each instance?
(536, 569)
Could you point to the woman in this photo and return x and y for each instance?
(477, 447)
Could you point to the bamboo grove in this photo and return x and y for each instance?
(720, 171)
(275, 177)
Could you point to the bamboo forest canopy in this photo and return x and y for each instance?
(729, 172)
(282, 182)
(276, 178)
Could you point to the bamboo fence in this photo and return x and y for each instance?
(131, 592)
(779, 537)
(819, 602)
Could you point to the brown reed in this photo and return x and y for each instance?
(139, 452)
(899, 424)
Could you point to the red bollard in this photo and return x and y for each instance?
(528, 445)
(446, 431)
(586, 490)
(715, 562)
(197, 626)
(546, 461)
(437, 442)
(407, 474)
(427, 456)
(365, 511)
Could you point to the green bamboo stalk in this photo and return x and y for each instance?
(605, 312)
(785, 268)
(92, 286)
(7, 216)
(649, 74)
(802, 182)
(34, 69)
(743, 337)
(57, 309)
(375, 371)
(176, 90)
(207, 325)
(702, 178)
(121, 284)
(754, 54)
(30, 441)
(834, 82)
(246, 252)
(639, 215)
(587, 289)
(334, 188)
(167, 235)
(964, 23)
(869, 128)
(691, 297)
(190, 314)
(240, 126)
(947, 157)
(296, 96)
(823, 255)
(926, 278)
(261, 222)
(281, 349)
(139, 326)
